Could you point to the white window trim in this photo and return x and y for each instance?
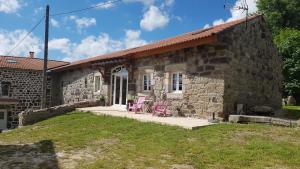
(177, 82)
(148, 75)
(100, 83)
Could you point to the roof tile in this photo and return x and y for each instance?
(180, 39)
(28, 63)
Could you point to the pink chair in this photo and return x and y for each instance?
(160, 109)
(138, 105)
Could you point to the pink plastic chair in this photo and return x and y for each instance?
(138, 105)
(160, 109)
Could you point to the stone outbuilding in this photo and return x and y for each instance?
(219, 70)
(21, 86)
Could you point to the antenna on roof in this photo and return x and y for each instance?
(243, 6)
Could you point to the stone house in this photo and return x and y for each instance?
(21, 86)
(201, 73)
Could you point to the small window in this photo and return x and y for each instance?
(11, 61)
(147, 82)
(97, 81)
(177, 82)
(5, 86)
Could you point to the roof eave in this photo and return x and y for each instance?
(196, 42)
(145, 53)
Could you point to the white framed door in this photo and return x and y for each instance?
(3, 119)
(119, 86)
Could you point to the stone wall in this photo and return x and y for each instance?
(203, 84)
(254, 76)
(262, 119)
(243, 68)
(76, 85)
(29, 117)
(26, 86)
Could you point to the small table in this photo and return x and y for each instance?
(148, 106)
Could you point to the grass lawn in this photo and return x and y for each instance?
(292, 112)
(80, 140)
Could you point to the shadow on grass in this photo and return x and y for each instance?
(37, 155)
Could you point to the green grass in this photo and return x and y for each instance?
(123, 143)
(292, 112)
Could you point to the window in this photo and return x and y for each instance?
(177, 82)
(11, 61)
(97, 81)
(147, 82)
(5, 86)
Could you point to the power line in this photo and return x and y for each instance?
(110, 2)
(28, 33)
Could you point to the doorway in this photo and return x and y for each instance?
(3, 119)
(119, 86)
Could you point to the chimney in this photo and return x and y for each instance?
(31, 55)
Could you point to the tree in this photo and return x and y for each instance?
(283, 18)
(288, 44)
(280, 13)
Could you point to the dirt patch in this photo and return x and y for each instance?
(37, 155)
(95, 151)
(42, 155)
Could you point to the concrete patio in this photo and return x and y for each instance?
(184, 122)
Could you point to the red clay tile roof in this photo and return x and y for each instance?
(196, 36)
(28, 63)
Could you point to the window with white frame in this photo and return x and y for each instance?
(147, 82)
(177, 82)
(97, 82)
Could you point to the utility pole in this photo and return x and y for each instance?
(44, 97)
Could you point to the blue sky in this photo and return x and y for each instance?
(110, 27)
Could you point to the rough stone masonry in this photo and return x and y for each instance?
(242, 67)
(26, 87)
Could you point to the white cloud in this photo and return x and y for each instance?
(37, 10)
(61, 44)
(206, 26)
(238, 14)
(153, 19)
(85, 22)
(133, 39)
(218, 22)
(95, 45)
(92, 45)
(54, 23)
(72, 17)
(167, 3)
(105, 5)
(8, 39)
(145, 2)
(9, 6)
(178, 18)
